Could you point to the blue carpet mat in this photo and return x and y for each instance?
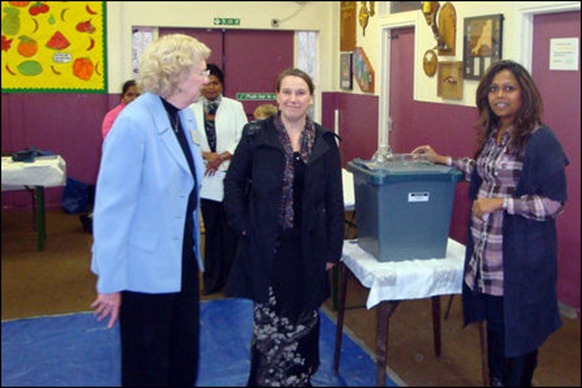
(76, 350)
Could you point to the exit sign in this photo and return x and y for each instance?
(226, 21)
(255, 96)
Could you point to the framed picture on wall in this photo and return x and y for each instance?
(481, 44)
(346, 71)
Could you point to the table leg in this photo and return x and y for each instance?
(40, 216)
(340, 315)
(436, 324)
(449, 305)
(334, 287)
(383, 313)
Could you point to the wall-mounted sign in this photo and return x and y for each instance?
(255, 96)
(226, 21)
(564, 54)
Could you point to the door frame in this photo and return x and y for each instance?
(525, 20)
(384, 79)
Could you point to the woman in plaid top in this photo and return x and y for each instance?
(518, 187)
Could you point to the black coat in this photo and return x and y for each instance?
(252, 199)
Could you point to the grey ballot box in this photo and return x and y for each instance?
(403, 208)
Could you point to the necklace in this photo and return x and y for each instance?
(174, 122)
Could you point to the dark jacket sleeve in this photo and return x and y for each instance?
(238, 181)
(334, 202)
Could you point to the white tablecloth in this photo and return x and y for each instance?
(46, 171)
(348, 185)
(410, 279)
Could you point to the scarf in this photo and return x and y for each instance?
(306, 144)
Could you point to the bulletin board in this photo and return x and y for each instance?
(54, 46)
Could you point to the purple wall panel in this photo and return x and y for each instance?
(358, 123)
(210, 37)
(255, 59)
(68, 124)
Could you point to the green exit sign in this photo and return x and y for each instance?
(255, 96)
(226, 21)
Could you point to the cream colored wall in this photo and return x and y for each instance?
(299, 16)
(516, 27)
(324, 18)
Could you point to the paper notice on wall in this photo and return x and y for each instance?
(564, 54)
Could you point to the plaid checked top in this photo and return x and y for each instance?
(500, 169)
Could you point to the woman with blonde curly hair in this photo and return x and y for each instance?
(146, 250)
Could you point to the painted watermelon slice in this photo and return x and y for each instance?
(58, 41)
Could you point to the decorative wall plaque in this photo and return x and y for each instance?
(348, 25)
(346, 71)
(448, 29)
(482, 44)
(450, 81)
(430, 63)
(363, 71)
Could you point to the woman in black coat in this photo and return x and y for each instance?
(283, 196)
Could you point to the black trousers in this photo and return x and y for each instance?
(220, 246)
(160, 339)
(505, 371)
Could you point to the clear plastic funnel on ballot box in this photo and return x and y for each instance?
(403, 206)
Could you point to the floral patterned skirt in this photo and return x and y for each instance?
(285, 342)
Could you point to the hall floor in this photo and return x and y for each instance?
(57, 280)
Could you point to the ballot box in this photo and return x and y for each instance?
(403, 207)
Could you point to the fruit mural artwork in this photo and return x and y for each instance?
(53, 46)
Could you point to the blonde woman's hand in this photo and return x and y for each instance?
(107, 305)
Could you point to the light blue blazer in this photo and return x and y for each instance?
(141, 200)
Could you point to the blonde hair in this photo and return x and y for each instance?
(169, 60)
(264, 111)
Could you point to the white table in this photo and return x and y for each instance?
(392, 282)
(44, 171)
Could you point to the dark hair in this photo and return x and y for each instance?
(529, 115)
(216, 71)
(126, 85)
(296, 73)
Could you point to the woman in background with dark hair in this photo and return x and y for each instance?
(129, 92)
(220, 123)
(518, 188)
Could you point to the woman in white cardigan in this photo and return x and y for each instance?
(220, 121)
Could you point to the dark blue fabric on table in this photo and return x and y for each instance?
(76, 350)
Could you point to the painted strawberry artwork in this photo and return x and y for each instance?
(38, 8)
(86, 27)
